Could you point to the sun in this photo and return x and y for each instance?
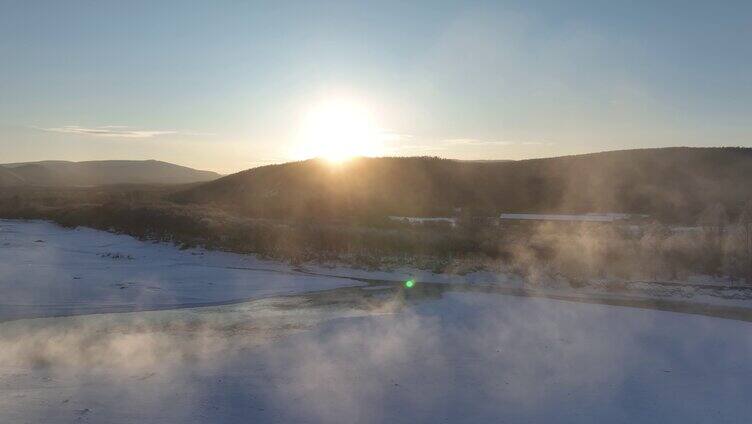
(338, 130)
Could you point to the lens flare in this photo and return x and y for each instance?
(409, 284)
(337, 130)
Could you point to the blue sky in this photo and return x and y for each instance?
(222, 85)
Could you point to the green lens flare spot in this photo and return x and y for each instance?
(409, 283)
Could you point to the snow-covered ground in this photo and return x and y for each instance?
(461, 357)
(351, 353)
(696, 290)
(49, 270)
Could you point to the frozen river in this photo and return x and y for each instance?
(345, 354)
(47, 270)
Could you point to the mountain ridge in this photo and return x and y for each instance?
(670, 183)
(54, 173)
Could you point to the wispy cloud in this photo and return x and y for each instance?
(421, 147)
(118, 131)
(399, 143)
(475, 142)
(537, 143)
(389, 136)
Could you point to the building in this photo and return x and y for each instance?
(588, 217)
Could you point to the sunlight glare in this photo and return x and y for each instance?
(337, 130)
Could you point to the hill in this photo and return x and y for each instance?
(673, 184)
(96, 173)
(9, 178)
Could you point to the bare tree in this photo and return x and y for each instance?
(713, 221)
(745, 222)
(651, 244)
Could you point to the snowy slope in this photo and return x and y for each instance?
(463, 358)
(49, 270)
(434, 353)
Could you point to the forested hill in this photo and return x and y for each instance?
(96, 173)
(673, 184)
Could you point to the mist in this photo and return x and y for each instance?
(375, 212)
(403, 358)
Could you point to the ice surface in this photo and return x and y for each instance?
(49, 270)
(369, 355)
(463, 357)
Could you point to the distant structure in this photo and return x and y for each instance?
(422, 220)
(588, 217)
(511, 218)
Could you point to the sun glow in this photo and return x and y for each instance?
(338, 130)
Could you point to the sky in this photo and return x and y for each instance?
(228, 85)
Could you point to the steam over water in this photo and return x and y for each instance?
(378, 354)
(461, 358)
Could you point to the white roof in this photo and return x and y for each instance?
(421, 219)
(589, 217)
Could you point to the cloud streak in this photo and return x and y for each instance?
(388, 136)
(475, 142)
(537, 143)
(114, 131)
